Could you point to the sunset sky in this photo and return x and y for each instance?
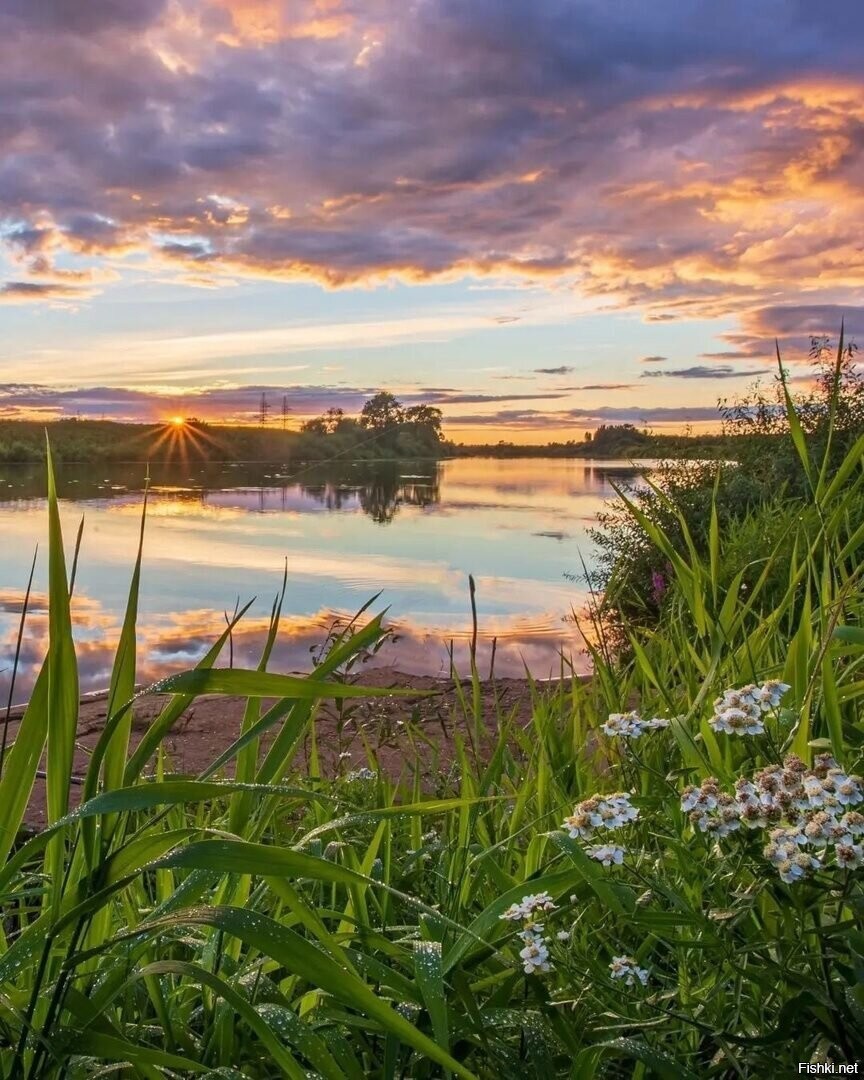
(540, 215)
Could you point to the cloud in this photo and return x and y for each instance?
(562, 370)
(625, 153)
(581, 418)
(792, 326)
(652, 359)
(703, 371)
(30, 291)
(602, 386)
(226, 403)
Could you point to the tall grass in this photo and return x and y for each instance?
(258, 920)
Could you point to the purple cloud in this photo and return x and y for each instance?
(705, 371)
(237, 403)
(651, 161)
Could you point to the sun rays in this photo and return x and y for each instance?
(183, 439)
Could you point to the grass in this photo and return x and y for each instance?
(285, 923)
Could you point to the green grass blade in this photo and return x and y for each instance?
(298, 955)
(264, 684)
(122, 687)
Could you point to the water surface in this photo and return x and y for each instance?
(224, 533)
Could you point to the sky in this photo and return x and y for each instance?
(540, 216)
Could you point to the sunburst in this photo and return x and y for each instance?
(182, 439)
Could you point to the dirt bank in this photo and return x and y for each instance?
(388, 725)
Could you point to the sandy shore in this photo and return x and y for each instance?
(387, 725)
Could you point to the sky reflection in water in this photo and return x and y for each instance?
(222, 534)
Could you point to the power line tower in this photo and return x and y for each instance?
(284, 410)
(265, 409)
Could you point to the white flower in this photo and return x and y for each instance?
(768, 695)
(740, 712)
(600, 812)
(631, 725)
(541, 901)
(535, 958)
(803, 808)
(735, 721)
(563, 935)
(796, 868)
(813, 790)
(578, 825)
(703, 798)
(528, 905)
(626, 968)
(513, 913)
(607, 854)
(742, 700)
(626, 725)
(361, 774)
(535, 954)
(849, 856)
(846, 789)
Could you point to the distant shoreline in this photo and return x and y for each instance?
(93, 442)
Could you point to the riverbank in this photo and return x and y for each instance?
(388, 726)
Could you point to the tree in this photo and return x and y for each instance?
(425, 416)
(332, 419)
(382, 412)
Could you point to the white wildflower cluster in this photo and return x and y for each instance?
(361, 774)
(711, 810)
(808, 813)
(528, 906)
(631, 725)
(535, 954)
(608, 854)
(742, 711)
(601, 812)
(626, 968)
(535, 951)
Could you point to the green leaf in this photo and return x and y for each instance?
(122, 687)
(429, 973)
(658, 1062)
(316, 967)
(264, 684)
(251, 1016)
(109, 1046)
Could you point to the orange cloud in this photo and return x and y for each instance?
(267, 21)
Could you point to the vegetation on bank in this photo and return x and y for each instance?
(383, 430)
(759, 497)
(661, 875)
(616, 441)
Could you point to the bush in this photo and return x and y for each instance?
(765, 494)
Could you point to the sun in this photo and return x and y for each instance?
(178, 421)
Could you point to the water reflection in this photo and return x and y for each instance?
(379, 489)
(413, 531)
